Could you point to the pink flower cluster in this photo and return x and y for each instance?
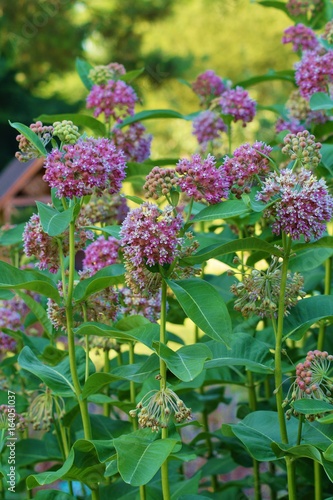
(248, 161)
(302, 38)
(102, 252)
(207, 127)
(311, 374)
(208, 85)
(238, 104)
(132, 303)
(149, 237)
(293, 125)
(87, 167)
(11, 319)
(302, 206)
(115, 99)
(314, 73)
(133, 141)
(202, 180)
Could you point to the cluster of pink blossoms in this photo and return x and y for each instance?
(207, 127)
(131, 303)
(202, 180)
(149, 237)
(314, 73)
(114, 98)
(100, 253)
(87, 167)
(302, 38)
(292, 124)
(302, 206)
(247, 163)
(11, 319)
(207, 86)
(238, 104)
(133, 141)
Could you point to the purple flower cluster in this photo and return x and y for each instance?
(314, 73)
(202, 180)
(115, 99)
(293, 125)
(102, 252)
(237, 103)
(149, 237)
(207, 127)
(208, 85)
(133, 141)
(248, 161)
(87, 167)
(11, 319)
(302, 38)
(132, 303)
(302, 205)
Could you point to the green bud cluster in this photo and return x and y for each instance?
(303, 147)
(67, 132)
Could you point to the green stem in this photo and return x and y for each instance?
(327, 291)
(317, 480)
(106, 369)
(71, 339)
(229, 138)
(163, 371)
(299, 430)
(132, 384)
(253, 406)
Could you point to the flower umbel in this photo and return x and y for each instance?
(302, 147)
(237, 104)
(27, 150)
(156, 407)
(208, 85)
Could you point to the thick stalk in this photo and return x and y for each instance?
(163, 370)
(317, 480)
(132, 384)
(106, 369)
(327, 291)
(253, 406)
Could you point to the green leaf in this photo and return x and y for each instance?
(275, 5)
(53, 495)
(95, 382)
(327, 155)
(152, 114)
(145, 459)
(82, 464)
(146, 334)
(12, 236)
(204, 306)
(285, 75)
(108, 276)
(309, 258)
(58, 378)
(38, 311)
(31, 136)
(223, 210)
(31, 451)
(186, 363)
(244, 244)
(54, 222)
(13, 278)
(110, 230)
(311, 406)
(299, 451)
(131, 75)
(307, 312)
(320, 100)
(83, 68)
(245, 350)
(86, 121)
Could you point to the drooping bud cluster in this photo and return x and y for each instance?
(67, 132)
(302, 38)
(156, 408)
(27, 150)
(304, 148)
(87, 167)
(247, 163)
(160, 182)
(100, 74)
(259, 291)
(312, 381)
(208, 85)
(237, 104)
(115, 99)
(44, 409)
(133, 141)
(207, 127)
(132, 304)
(149, 237)
(8, 417)
(201, 180)
(102, 252)
(302, 205)
(105, 208)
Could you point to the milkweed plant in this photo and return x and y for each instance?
(166, 325)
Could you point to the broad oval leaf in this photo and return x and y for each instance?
(320, 100)
(299, 451)
(243, 244)
(224, 210)
(86, 121)
(287, 75)
(150, 114)
(31, 136)
(83, 68)
(186, 363)
(110, 230)
(108, 276)
(311, 406)
(140, 466)
(131, 75)
(307, 312)
(53, 221)
(245, 350)
(204, 306)
(12, 278)
(12, 236)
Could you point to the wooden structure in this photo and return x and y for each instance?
(21, 185)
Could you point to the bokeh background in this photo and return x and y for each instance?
(174, 40)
